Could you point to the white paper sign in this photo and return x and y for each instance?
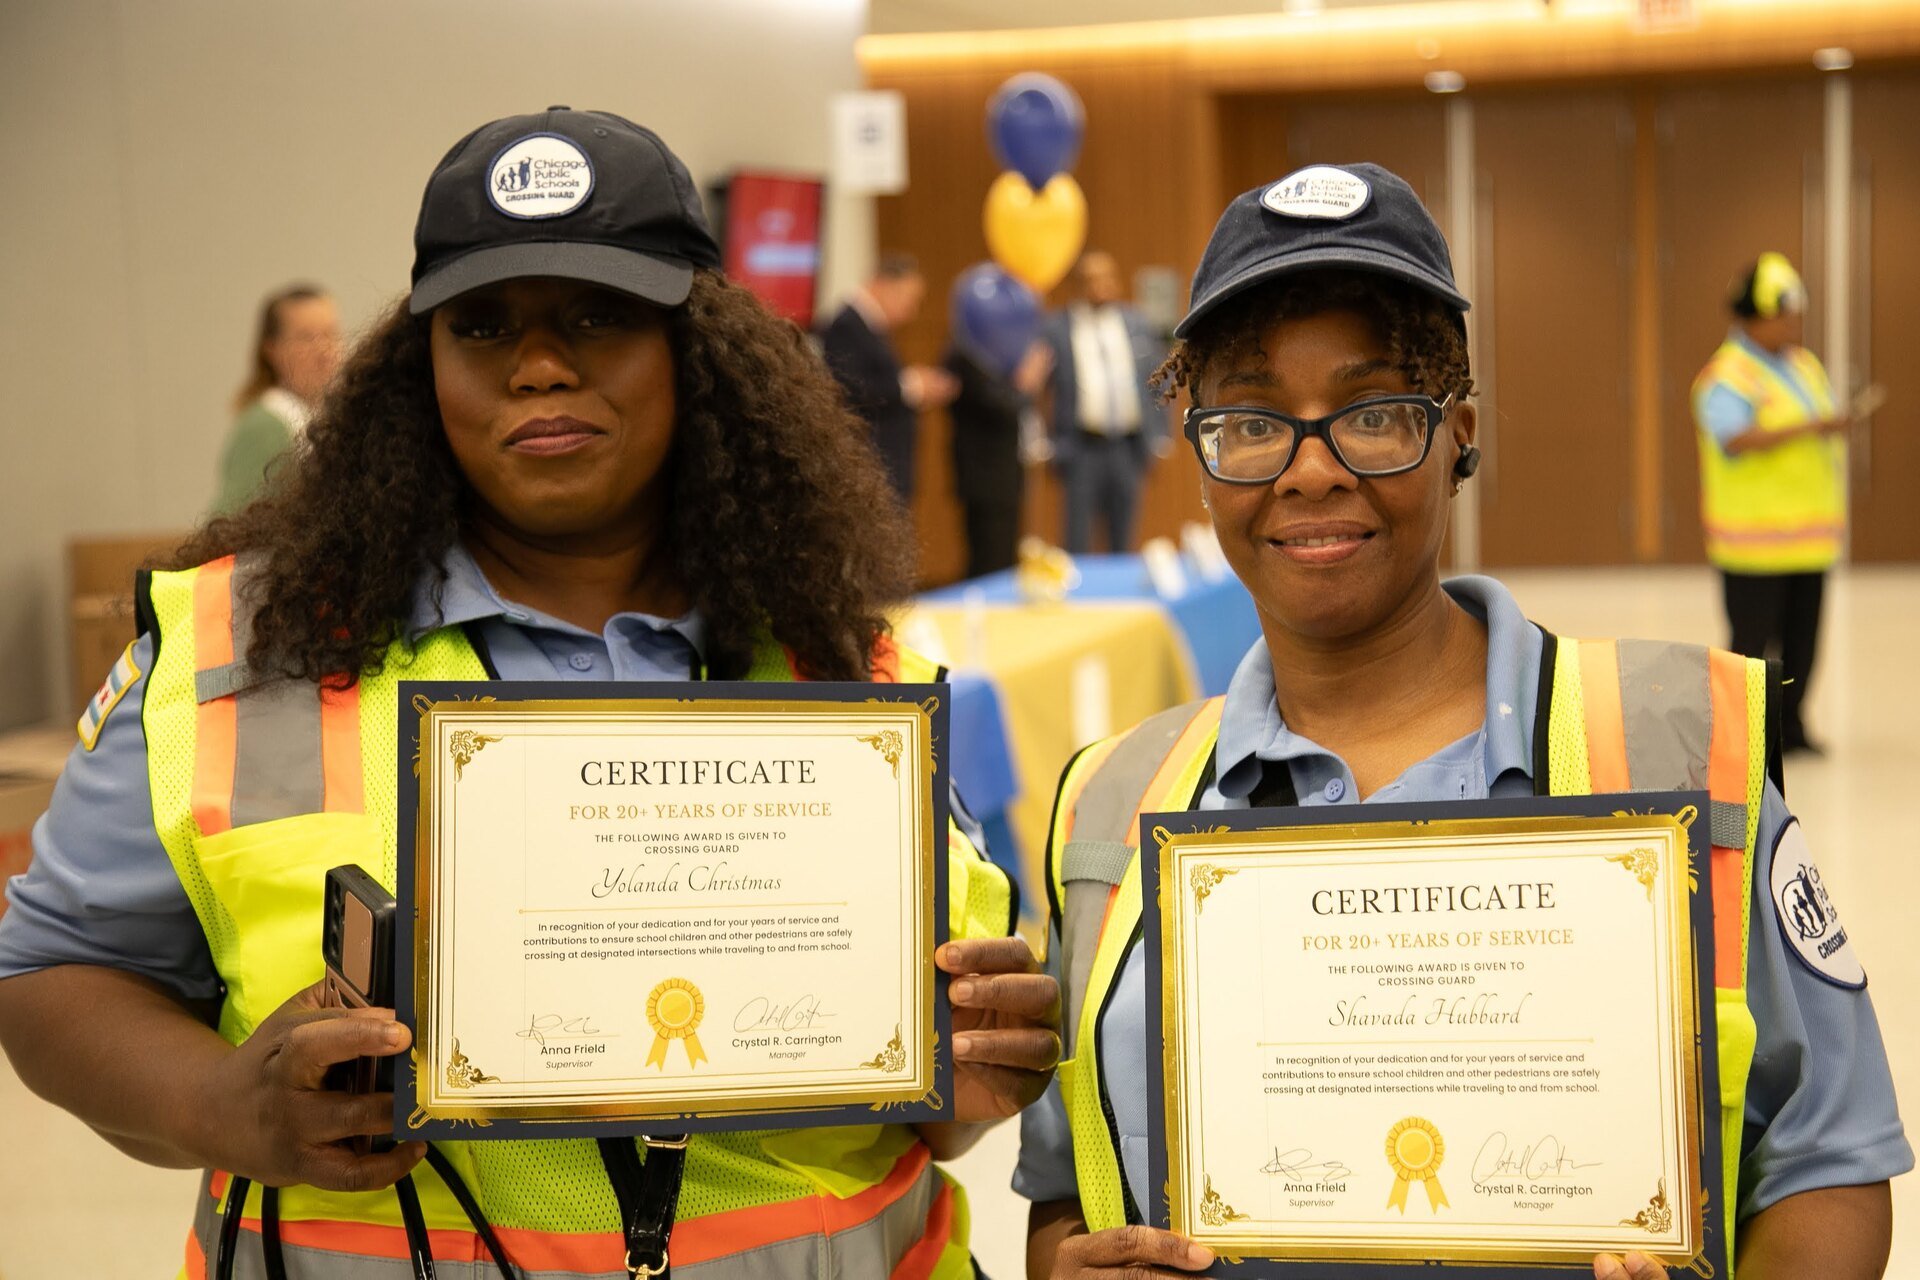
(870, 143)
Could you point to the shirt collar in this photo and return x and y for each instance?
(1251, 727)
(868, 309)
(466, 596)
(287, 407)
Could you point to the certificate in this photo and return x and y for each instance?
(1474, 1033)
(659, 908)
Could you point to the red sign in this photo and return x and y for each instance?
(773, 240)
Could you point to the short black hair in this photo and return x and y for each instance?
(1424, 337)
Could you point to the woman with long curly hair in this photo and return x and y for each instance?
(573, 452)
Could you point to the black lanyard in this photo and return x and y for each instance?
(419, 1245)
(649, 1196)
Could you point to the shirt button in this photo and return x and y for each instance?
(581, 661)
(1335, 788)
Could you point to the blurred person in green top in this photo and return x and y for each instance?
(296, 348)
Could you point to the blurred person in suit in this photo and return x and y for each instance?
(1105, 424)
(858, 345)
(987, 412)
(296, 348)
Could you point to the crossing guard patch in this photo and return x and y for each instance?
(119, 680)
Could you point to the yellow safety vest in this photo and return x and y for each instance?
(259, 787)
(1780, 510)
(1698, 719)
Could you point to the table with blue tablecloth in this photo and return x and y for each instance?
(1034, 682)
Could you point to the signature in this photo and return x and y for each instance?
(542, 1025)
(1545, 1158)
(1299, 1163)
(762, 1013)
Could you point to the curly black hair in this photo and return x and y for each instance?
(783, 522)
(1423, 335)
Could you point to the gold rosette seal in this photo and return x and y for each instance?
(1414, 1151)
(675, 1009)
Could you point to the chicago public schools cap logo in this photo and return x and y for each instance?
(542, 175)
(1808, 919)
(1320, 191)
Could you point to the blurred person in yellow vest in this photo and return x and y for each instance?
(296, 349)
(574, 451)
(1773, 493)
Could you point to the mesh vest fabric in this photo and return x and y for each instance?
(554, 1188)
(1777, 510)
(1570, 768)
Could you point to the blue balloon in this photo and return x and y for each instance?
(995, 317)
(1035, 124)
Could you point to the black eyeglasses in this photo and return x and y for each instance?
(1246, 444)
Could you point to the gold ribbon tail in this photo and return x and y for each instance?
(695, 1054)
(1435, 1195)
(1398, 1200)
(657, 1056)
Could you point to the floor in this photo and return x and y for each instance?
(69, 1205)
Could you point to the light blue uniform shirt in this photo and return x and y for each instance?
(1820, 1105)
(1726, 413)
(101, 890)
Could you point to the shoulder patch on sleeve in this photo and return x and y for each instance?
(119, 680)
(1809, 921)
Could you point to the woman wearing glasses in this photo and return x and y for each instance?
(1326, 358)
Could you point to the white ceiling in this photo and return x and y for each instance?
(891, 16)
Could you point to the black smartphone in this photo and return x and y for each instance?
(356, 942)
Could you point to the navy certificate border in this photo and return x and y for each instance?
(404, 1094)
(1705, 1024)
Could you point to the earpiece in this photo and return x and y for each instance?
(1468, 463)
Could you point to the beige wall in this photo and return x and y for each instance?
(166, 164)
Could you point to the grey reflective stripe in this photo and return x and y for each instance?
(1106, 806)
(221, 682)
(1097, 856)
(1102, 860)
(1081, 916)
(874, 1248)
(1727, 824)
(277, 771)
(1666, 706)
(277, 767)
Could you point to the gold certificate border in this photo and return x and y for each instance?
(432, 1056)
(1680, 1085)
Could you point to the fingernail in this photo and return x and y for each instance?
(947, 953)
(1198, 1255)
(962, 990)
(394, 1035)
(962, 1045)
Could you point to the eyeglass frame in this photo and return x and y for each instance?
(1320, 429)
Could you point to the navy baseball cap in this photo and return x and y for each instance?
(1355, 217)
(583, 195)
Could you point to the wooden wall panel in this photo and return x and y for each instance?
(1556, 176)
(1136, 170)
(1739, 162)
(1886, 335)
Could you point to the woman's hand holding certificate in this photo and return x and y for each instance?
(1006, 1019)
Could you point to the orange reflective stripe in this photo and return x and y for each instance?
(195, 1266)
(1727, 783)
(718, 1234)
(1198, 730)
(216, 725)
(884, 661)
(341, 777)
(703, 1239)
(1606, 724)
(919, 1262)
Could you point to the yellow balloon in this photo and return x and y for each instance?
(1036, 236)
